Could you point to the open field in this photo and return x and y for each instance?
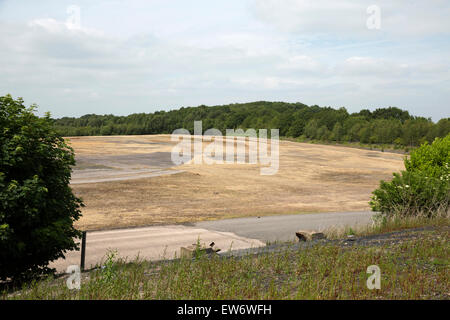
(131, 181)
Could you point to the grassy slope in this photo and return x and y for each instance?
(414, 264)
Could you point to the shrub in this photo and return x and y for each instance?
(431, 160)
(37, 206)
(423, 188)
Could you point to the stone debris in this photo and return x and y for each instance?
(309, 235)
(189, 251)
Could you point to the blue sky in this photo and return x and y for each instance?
(123, 57)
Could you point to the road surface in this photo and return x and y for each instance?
(283, 227)
(164, 242)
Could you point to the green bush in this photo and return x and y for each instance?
(37, 206)
(424, 188)
(431, 160)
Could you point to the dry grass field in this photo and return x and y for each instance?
(131, 181)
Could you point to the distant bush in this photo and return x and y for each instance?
(424, 188)
(37, 206)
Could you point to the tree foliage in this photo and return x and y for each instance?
(382, 126)
(37, 206)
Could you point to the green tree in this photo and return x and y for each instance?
(37, 206)
(384, 125)
(311, 129)
(442, 127)
(352, 126)
(391, 113)
(296, 128)
(415, 130)
(338, 132)
(323, 133)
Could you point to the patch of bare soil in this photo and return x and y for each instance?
(311, 178)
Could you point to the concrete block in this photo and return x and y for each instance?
(189, 251)
(309, 235)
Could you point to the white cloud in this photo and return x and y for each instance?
(81, 70)
(311, 15)
(58, 27)
(383, 69)
(301, 63)
(368, 66)
(348, 17)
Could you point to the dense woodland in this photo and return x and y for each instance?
(382, 126)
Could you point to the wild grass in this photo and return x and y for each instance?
(394, 222)
(415, 268)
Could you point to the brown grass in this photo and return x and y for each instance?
(311, 178)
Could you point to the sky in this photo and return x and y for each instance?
(121, 57)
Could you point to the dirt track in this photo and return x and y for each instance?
(311, 178)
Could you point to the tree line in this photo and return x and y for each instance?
(383, 126)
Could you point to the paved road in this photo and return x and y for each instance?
(283, 227)
(164, 242)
